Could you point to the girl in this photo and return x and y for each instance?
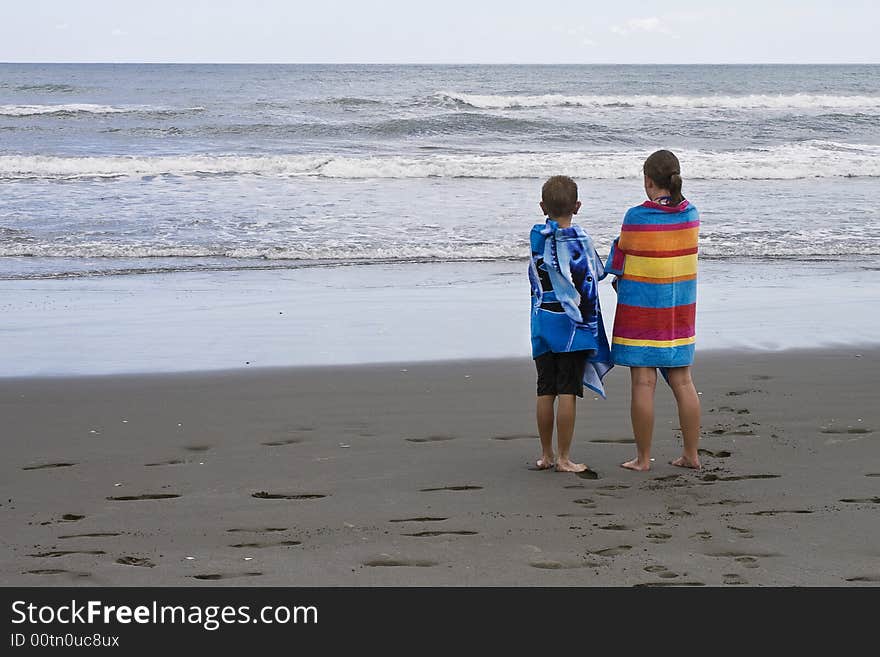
(655, 259)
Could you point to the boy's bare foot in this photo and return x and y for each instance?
(636, 465)
(685, 462)
(565, 465)
(545, 462)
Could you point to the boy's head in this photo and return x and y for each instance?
(559, 197)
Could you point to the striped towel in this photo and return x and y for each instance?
(656, 260)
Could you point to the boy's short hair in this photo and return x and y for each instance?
(559, 195)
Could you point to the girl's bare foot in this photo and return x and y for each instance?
(636, 465)
(545, 462)
(686, 462)
(565, 465)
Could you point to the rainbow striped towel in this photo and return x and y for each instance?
(656, 260)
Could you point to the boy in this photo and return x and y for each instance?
(568, 337)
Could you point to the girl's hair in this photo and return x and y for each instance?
(663, 168)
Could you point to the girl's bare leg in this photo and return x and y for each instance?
(644, 381)
(688, 415)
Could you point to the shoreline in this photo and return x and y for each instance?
(418, 474)
(429, 312)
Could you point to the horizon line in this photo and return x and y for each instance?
(262, 63)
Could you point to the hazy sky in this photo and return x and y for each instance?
(490, 31)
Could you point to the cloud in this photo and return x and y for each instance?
(577, 33)
(649, 25)
(118, 32)
(62, 26)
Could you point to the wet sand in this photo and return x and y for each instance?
(418, 474)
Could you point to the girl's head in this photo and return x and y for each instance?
(663, 177)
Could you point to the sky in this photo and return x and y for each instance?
(442, 31)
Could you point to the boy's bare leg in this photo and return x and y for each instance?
(545, 416)
(688, 415)
(644, 381)
(565, 417)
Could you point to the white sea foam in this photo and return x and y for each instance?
(89, 108)
(808, 159)
(744, 102)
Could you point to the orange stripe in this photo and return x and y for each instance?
(658, 240)
(662, 254)
(671, 279)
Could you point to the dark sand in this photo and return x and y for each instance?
(419, 475)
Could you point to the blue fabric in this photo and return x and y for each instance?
(565, 269)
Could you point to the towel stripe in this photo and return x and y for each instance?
(661, 267)
(654, 343)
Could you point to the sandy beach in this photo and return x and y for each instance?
(418, 474)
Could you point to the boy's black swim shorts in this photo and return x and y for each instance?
(561, 373)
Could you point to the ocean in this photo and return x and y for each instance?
(113, 171)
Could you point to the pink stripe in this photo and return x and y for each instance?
(666, 208)
(682, 226)
(673, 333)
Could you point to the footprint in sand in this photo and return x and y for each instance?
(266, 545)
(588, 474)
(563, 565)
(517, 436)
(260, 530)
(575, 487)
(661, 571)
(452, 532)
(616, 528)
(585, 501)
(263, 495)
(46, 466)
(431, 439)
(135, 561)
(63, 553)
(613, 551)
(864, 578)
(197, 448)
(659, 537)
(614, 441)
(849, 430)
(862, 500)
(732, 579)
(400, 563)
(873, 474)
(71, 517)
(704, 535)
(145, 496)
(713, 477)
(419, 519)
(215, 576)
(168, 462)
(743, 533)
(92, 535)
(739, 393)
(56, 571)
(613, 487)
(452, 488)
(722, 454)
(671, 477)
(282, 443)
(725, 503)
(778, 512)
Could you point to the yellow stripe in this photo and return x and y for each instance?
(654, 343)
(647, 267)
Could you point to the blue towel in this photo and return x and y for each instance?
(564, 272)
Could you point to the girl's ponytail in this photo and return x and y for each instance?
(675, 188)
(663, 168)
